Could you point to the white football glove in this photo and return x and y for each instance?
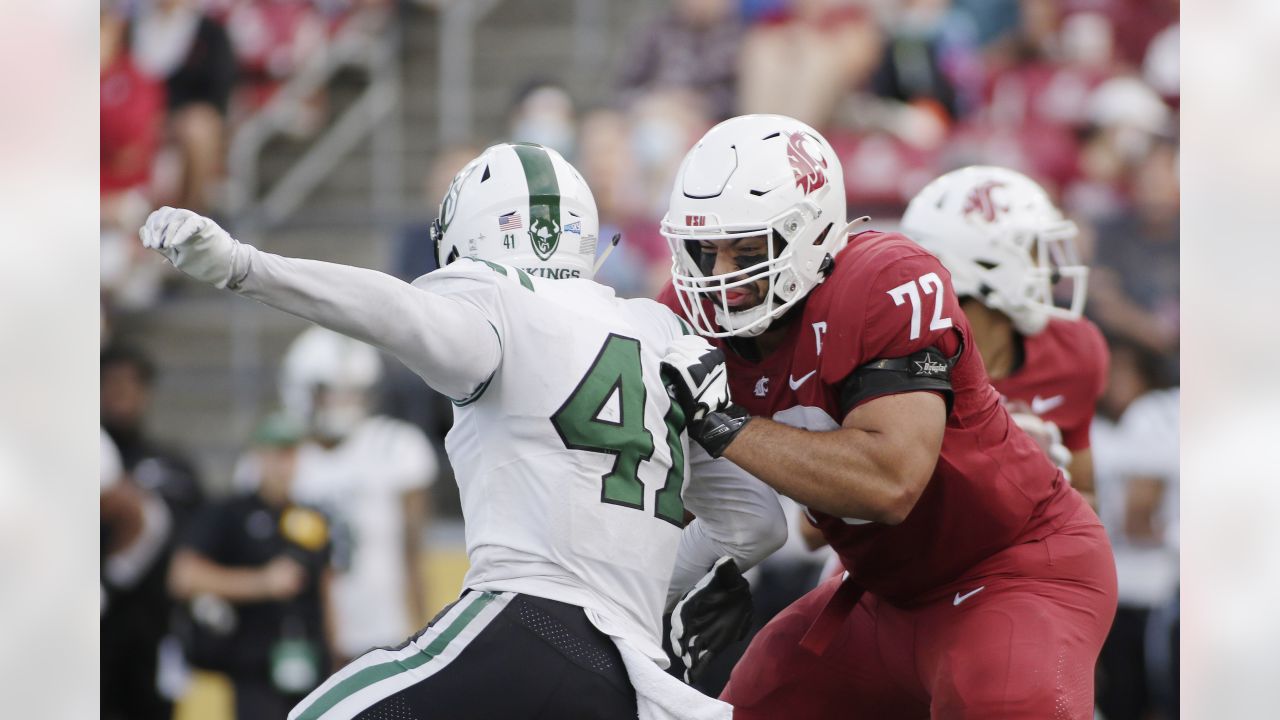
(697, 381)
(1047, 436)
(695, 370)
(192, 243)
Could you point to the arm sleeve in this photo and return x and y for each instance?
(449, 342)
(737, 515)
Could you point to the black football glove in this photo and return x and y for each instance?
(696, 379)
(712, 615)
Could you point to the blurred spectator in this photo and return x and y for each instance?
(136, 622)
(607, 163)
(992, 20)
(254, 570)
(1126, 119)
(882, 171)
(135, 532)
(1134, 284)
(131, 118)
(1160, 66)
(1136, 23)
(929, 50)
(802, 61)
(370, 474)
(543, 113)
(174, 41)
(127, 376)
(272, 41)
(662, 126)
(1043, 75)
(694, 46)
(1136, 461)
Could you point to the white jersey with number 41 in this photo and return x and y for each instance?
(570, 460)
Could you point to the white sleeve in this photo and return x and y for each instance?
(737, 515)
(448, 342)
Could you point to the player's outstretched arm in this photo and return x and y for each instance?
(448, 343)
(872, 468)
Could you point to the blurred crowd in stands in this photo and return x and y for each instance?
(1082, 95)
(177, 77)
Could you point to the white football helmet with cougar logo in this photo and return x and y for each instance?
(749, 176)
(1002, 240)
(522, 205)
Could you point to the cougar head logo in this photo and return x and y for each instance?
(807, 166)
(981, 202)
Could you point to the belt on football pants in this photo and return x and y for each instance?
(819, 635)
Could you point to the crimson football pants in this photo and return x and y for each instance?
(1018, 637)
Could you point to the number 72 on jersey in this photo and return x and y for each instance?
(932, 285)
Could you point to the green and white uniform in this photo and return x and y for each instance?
(570, 457)
(568, 452)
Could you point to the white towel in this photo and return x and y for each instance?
(660, 696)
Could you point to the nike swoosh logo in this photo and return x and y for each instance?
(1041, 405)
(795, 384)
(961, 598)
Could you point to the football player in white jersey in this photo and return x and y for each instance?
(371, 474)
(569, 453)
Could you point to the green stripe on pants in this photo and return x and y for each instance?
(378, 673)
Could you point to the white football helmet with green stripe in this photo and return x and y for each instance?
(522, 205)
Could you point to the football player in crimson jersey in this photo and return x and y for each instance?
(1005, 245)
(979, 583)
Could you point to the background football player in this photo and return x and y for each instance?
(568, 451)
(1006, 246)
(368, 472)
(979, 583)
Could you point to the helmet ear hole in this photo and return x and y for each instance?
(822, 236)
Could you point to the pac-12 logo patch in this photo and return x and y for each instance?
(809, 167)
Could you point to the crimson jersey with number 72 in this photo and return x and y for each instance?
(992, 487)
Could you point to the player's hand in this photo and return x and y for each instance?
(695, 372)
(192, 243)
(282, 578)
(713, 614)
(1047, 436)
(696, 379)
